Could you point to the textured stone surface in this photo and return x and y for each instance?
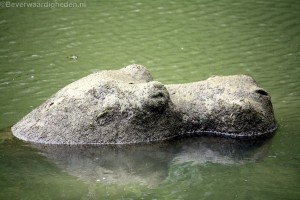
(116, 106)
(127, 106)
(231, 106)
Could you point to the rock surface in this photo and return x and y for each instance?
(127, 106)
(107, 107)
(231, 106)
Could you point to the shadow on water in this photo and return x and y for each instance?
(148, 164)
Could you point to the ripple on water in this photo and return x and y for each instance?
(179, 41)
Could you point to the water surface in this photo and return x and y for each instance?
(179, 41)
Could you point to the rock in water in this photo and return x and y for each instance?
(127, 106)
(107, 107)
(231, 106)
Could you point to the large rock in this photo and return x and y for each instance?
(232, 106)
(107, 107)
(127, 106)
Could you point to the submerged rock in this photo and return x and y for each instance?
(107, 107)
(232, 106)
(127, 106)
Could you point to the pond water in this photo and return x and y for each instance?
(179, 41)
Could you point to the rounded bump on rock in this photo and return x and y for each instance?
(138, 72)
(225, 105)
(103, 109)
(159, 98)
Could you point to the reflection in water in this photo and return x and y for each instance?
(148, 164)
(222, 151)
(5, 135)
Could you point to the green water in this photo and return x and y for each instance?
(179, 41)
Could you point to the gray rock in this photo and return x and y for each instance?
(232, 106)
(107, 107)
(127, 106)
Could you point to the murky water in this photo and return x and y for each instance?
(179, 41)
